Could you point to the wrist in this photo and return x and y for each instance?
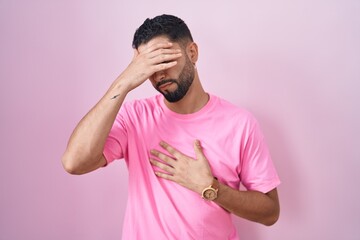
(122, 85)
(118, 89)
(206, 182)
(210, 192)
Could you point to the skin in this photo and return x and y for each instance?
(157, 60)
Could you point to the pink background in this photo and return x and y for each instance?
(294, 64)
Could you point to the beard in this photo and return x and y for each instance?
(183, 83)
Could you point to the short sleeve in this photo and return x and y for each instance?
(257, 169)
(116, 141)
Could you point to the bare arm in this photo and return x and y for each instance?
(84, 152)
(251, 205)
(195, 174)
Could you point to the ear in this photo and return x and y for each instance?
(192, 52)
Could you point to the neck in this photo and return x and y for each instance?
(195, 99)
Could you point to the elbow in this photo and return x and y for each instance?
(271, 219)
(69, 165)
(78, 164)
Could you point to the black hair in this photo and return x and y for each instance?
(167, 25)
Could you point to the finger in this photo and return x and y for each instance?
(165, 58)
(150, 48)
(165, 176)
(162, 166)
(170, 161)
(156, 46)
(164, 52)
(163, 66)
(173, 151)
(198, 150)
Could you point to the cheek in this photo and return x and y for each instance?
(152, 82)
(151, 78)
(176, 70)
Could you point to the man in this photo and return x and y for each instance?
(186, 150)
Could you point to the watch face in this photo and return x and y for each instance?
(210, 194)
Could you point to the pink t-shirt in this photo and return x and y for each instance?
(161, 209)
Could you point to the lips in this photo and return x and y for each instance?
(165, 85)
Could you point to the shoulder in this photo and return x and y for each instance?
(233, 111)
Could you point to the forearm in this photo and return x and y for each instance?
(252, 205)
(87, 141)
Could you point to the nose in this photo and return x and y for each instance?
(159, 76)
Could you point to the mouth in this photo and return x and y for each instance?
(165, 86)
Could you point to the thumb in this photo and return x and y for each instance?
(198, 150)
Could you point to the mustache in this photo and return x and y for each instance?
(165, 81)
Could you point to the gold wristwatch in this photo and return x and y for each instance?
(210, 193)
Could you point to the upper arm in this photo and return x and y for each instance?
(101, 162)
(117, 140)
(78, 168)
(257, 168)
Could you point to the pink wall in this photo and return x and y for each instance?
(294, 64)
